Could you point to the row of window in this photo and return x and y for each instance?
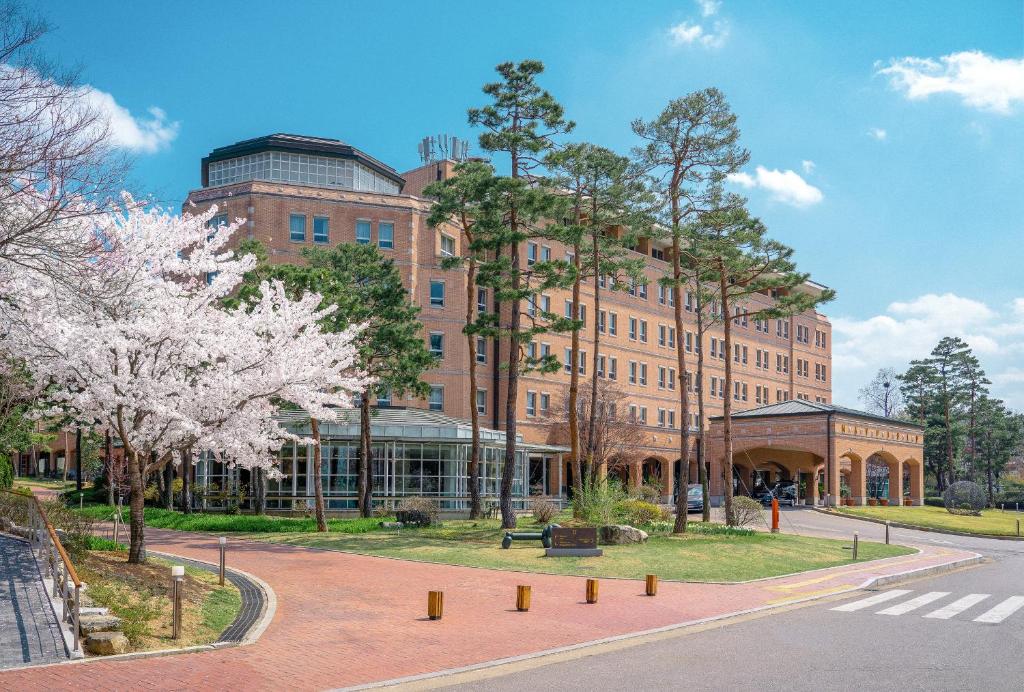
(539, 403)
(303, 169)
(297, 224)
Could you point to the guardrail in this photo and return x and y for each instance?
(50, 553)
(286, 502)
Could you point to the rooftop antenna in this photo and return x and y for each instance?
(442, 147)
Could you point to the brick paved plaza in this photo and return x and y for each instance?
(346, 619)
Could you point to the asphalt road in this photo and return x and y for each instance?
(920, 635)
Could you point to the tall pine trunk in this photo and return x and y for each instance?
(318, 485)
(365, 480)
(702, 442)
(508, 470)
(723, 287)
(574, 378)
(684, 398)
(475, 510)
(592, 418)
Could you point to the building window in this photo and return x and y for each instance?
(436, 398)
(545, 403)
(661, 376)
(662, 335)
(531, 254)
(613, 324)
(545, 253)
(217, 221)
(613, 368)
(363, 232)
(297, 228)
(447, 246)
(661, 418)
(531, 403)
(671, 337)
(643, 331)
(437, 345)
(437, 294)
(384, 397)
(545, 304)
(481, 300)
(321, 229)
(567, 363)
(602, 321)
(643, 374)
(600, 366)
(481, 350)
(672, 378)
(386, 235)
(632, 372)
(632, 328)
(643, 415)
(481, 401)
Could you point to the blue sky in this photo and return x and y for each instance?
(886, 139)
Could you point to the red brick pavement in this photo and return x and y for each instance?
(347, 619)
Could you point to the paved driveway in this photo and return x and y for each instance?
(347, 619)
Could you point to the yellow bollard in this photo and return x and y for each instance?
(435, 604)
(591, 591)
(522, 598)
(652, 585)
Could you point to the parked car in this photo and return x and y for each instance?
(784, 491)
(694, 498)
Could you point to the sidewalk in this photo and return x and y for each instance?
(346, 620)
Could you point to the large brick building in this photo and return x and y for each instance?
(297, 192)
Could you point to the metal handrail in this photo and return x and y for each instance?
(66, 583)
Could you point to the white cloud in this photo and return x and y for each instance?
(690, 34)
(878, 133)
(808, 166)
(908, 330)
(981, 81)
(138, 134)
(709, 7)
(785, 186)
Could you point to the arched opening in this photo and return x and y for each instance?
(884, 479)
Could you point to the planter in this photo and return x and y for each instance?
(907, 502)
(848, 501)
(872, 502)
(884, 502)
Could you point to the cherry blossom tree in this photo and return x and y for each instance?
(144, 346)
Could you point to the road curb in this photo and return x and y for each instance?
(915, 527)
(873, 582)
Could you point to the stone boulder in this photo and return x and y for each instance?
(620, 534)
(106, 643)
(96, 622)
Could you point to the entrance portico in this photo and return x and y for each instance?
(837, 455)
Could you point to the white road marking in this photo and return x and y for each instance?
(914, 603)
(1002, 611)
(872, 600)
(958, 606)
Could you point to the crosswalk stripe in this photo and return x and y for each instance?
(958, 606)
(872, 600)
(1002, 611)
(913, 603)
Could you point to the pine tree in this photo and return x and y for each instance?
(745, 262)
(950, 363)
(467, 201)
(521, 122)
(690, 146)
(608, 204)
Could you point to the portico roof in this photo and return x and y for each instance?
(799, 407)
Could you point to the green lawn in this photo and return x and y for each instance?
(992, 522)
(709, 552)
(700, 556)
(230, 523)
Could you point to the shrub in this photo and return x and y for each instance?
(647, 493)
(745, 511)
(543, 511)
(638, 512)
(934, 502)
(6, 472)
(596, 503)
(965, 498)
(74, 528)
(419, 507)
